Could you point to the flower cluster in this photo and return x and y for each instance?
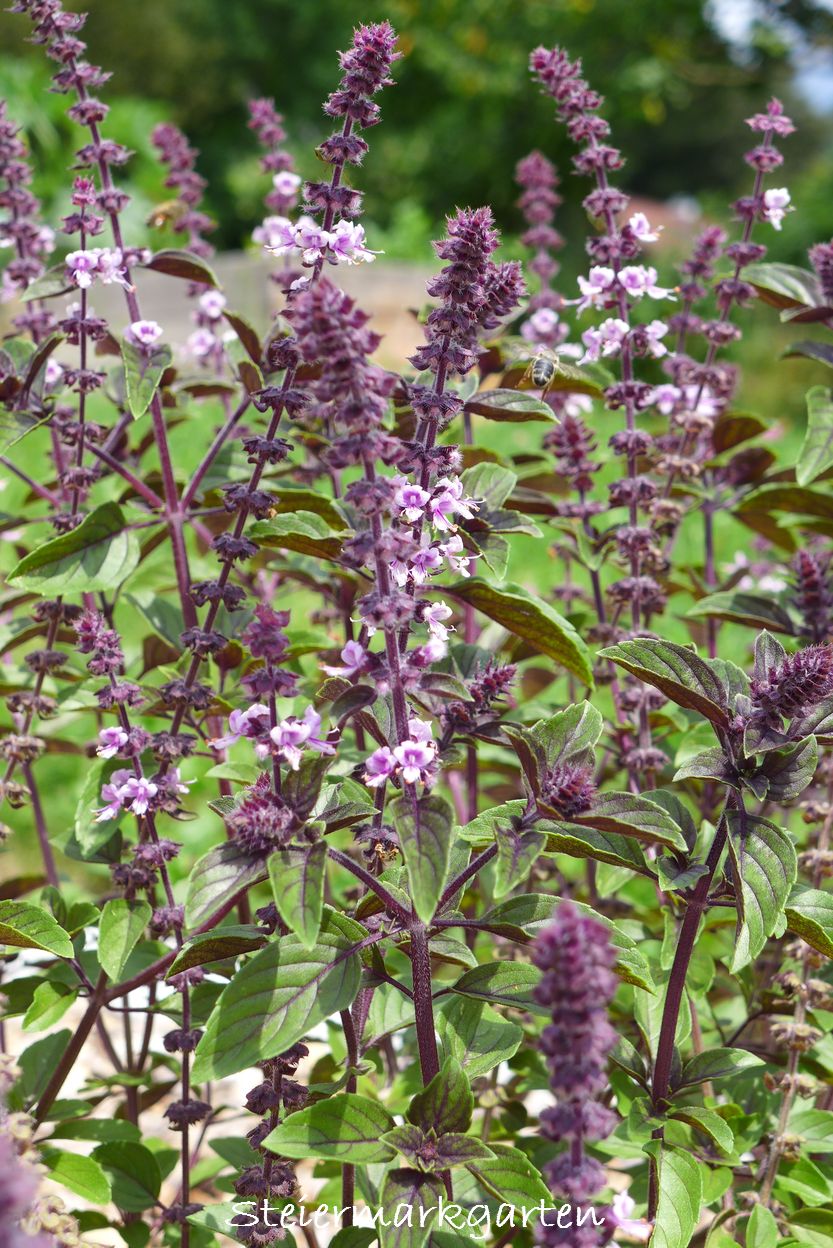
(180, 158)
(576, 958)
(538, 178)
(797, 683)
(21, 227)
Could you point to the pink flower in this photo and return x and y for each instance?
(110, 267)
(143, 334)
(776, 205)
(53, 373)
(110, 741)
(427, 559)
(596, 287)
(276, 234)
(286, 182)
(447, 501)
(249, 723)
(379, 767)
(607, 340)
(211, 304)
(354, 658)
(411, 499)
(642, 229)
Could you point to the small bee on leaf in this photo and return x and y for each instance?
(542, 371)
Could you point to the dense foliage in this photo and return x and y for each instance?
(515, 899)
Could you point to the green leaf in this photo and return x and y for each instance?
(677, 672)
(408, 1201)
(301, 531)
(796, 499)
(761, 1229)
(297, 877)
(25, 926)
(814, 1227)
(134, 1173)
(680, 1186)
(809, 914)
(182, 264)
(581, 842)
(816, 454)
(425, 827)
(99, 555)
(503, 983)
(446, 1104)
(229, 941)
(122, 924)
(344, 1128)
(716, 1064)
(82, 1175)
(143, 371)
(490, 484)
(278, 996)
(569, 735)
(819, 351)
(708, 1123)
(475, 1035)
(516, 856)
(708, 764)
(764, 863)
(815, 1127)
(531, 619)
(49, 1004)
(631, 814)
(512, 1179)
(788, 772)
(511, 406)
(740, 607)
(217, 876)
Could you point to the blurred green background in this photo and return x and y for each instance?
(679, 75)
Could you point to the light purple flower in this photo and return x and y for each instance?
(607, 340)
(286, 182)
(82, 266)
(348, 244)
(211, 304)
(249, 723)
(455, 555)
(113, 795)
(202, 343)
(434, 617)
(776, 205)
(136, 794)
(379, 767)
(144, 334)
(543, 327)
(641, 279)
(642, 229)
(411, 499)
(312, 240)
(110, 267)
(276, 234)
(447, 501)
(53, 373)
(596, 287)
(110, 741)
(654, 331)
(291, 735)
(622, 1207)
(416, 754)
(354, 658)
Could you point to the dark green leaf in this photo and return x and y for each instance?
(446, 1104)
(223, 942)
(82, 1175)
(761, 1229)
(784, 285)
(134, 1174)
(816, 455)
(716, 1064)
(182, 264)
(510, 405)
(754, 610)
(764, 864)
(630, 814)
(680, 1185)
(809, 914)
(517, 854)
(789, 771)
(820, 351)
(425, 827)
(531, 619)
(345, 1128)
(297, 877)
(278, 996)
(502, 983)
(512, 1179)
(475, 1035)
(216, 877)
(301, 531)
(98, 555)
(677, 672)
(409, 1202)
(708, 1123)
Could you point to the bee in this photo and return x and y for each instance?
(542, 371)
(170, 212)
(385, 851)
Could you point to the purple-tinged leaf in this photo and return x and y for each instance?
(184, 264)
